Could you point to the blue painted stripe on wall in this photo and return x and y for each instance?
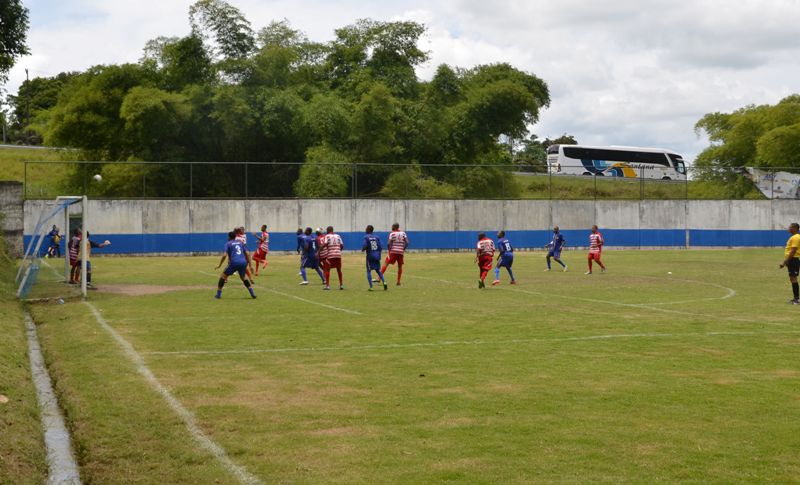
(211, 242)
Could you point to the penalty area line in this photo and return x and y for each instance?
(188, 418)
(298, 298)
(451, 343)
(642, 306)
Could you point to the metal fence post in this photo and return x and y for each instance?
(355, 181)
(246, 182)
(686, 186)
(550, 179)
(191, 180)
(772, 184)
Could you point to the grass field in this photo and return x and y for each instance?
(22, 458)
(633, 375)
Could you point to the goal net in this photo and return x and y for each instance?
(57, 235)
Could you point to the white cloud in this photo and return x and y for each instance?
(626, 72)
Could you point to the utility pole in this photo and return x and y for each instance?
(27, 99)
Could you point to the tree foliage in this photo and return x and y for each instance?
(753, 136)
(13, 35)
(227, 93)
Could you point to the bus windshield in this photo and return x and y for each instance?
(679, 164)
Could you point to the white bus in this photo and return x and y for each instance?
(628, 162)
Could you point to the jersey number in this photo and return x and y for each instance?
(374, 245)
(238, 250)
(508, 246)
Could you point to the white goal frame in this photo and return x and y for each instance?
(64, 203)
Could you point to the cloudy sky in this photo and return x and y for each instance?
(622, 72)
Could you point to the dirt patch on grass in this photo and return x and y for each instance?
(144, 290)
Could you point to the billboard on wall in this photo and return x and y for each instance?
(776, 185)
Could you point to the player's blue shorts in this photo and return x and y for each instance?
(311, 263)
(236, 268)
(554, 254)
(506, 261)
(373, 264)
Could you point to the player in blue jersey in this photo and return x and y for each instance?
(310, 258)
(238, 261)
(301, 244)
(554, 248)
(372, 246)
(505, 258)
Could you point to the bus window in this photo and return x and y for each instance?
(679, 164)
(552, 149)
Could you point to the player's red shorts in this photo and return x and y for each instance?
(335, 263)
(394, 258)
(324, 264)
(485, 262)
(594, 256)
(74, 262)
(259, 255)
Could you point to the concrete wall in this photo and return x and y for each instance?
(11, 207)
(166, 226)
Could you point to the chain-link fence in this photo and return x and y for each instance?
(200, 180)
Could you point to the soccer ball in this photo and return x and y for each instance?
(98, 177)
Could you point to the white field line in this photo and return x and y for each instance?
(188, 418)
(61, 465)
(643, 306)
(729, 292)
(450, 343)
(304, 300)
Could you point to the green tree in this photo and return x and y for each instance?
(220, 22)
(369, 50)
(745, 137)
(154, 121)
(326, 173)
(13, 35)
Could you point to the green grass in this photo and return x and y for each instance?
(44, 180)
(22, 458)
(437, 381)
(574, 187)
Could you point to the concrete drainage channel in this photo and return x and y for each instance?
(62, 468)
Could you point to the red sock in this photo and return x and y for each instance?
(383, 270)
(327, 274)
(339, 272)
(399, 273)
(483, 274)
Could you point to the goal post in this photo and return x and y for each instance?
(63, 209)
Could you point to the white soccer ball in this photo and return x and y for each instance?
(98, 177)
(669, 272)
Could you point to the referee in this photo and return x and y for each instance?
(791, 260)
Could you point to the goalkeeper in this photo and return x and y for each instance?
(91, 244)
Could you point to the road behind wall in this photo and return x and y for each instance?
(184, 226)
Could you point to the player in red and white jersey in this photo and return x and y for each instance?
(323, 251)
(260, 256)
(74, 249)
(484, 257)
(241, 236)
(596, 242)
(397, 244)
(333, 245)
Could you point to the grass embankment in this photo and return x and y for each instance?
(44, 180)
(22, 456)
(676, 366)
(582, 188)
